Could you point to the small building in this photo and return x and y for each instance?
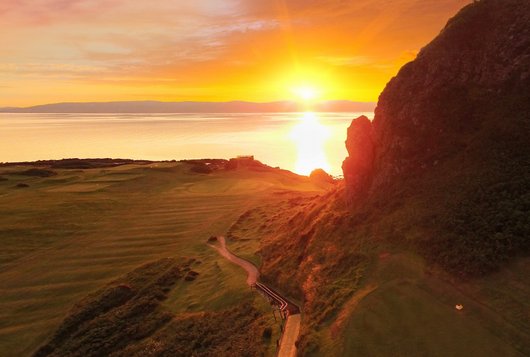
(245, 157)
(241, 161)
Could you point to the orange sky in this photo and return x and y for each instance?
(208, 50)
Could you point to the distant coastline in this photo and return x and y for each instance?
(203, 166)
(156, 107)
(167, 136)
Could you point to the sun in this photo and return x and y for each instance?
(305, 92)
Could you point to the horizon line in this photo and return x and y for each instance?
(294, 101)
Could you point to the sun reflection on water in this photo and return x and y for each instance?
(310, 136)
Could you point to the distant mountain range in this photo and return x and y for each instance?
(194, 107)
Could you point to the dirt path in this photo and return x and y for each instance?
(252, 271)
(289, 337)
(292, 326)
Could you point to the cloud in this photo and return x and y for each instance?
(50, 69)
(222, 42)
(122, 33)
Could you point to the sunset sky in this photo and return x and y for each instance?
(208, 50)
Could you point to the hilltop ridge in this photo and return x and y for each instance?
(194, 107)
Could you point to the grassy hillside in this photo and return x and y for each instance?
(410, 311)
(365, 292)
(126, 319)
(67, 234)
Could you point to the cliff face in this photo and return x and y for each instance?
(451, 135)
(478, 65)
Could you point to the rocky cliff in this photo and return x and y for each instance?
(358, 166)
(480, 61)
(452, 129)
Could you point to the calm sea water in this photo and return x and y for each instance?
(298, 142)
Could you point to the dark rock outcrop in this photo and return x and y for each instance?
(479, 65)
(320, 176)
(448, 150)
(358, 166)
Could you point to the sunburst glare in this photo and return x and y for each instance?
(310, 136)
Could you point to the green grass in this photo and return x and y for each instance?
(126, 318)
(221, 284)
(330, 259)
(64, 237)
(412, 312)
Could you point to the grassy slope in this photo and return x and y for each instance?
(365, 292)
(411, 311)
(67, 235)
(125, 318)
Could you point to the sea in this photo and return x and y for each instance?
(299, 142)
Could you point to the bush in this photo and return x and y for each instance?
(201, 169)
(37, 173)
(267, 333)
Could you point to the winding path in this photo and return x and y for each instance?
(292, 325)
(252, 271)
